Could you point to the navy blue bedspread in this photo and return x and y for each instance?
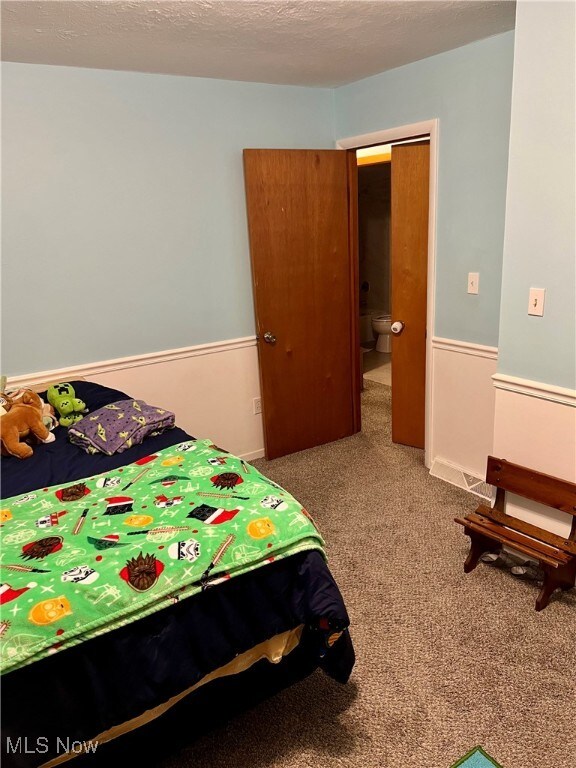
(108, 680)
(60, 461)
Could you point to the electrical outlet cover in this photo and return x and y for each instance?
(536, 301)
(473, 282)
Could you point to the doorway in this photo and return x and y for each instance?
(302, 221)
(375, 294)
(393, 206)
(372, 143)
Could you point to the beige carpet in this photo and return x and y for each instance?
(445, 661)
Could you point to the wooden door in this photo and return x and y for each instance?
(409, 260)
(305, 295)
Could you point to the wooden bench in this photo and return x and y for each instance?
(556, 554)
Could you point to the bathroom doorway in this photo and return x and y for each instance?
(393, 219)
(374, 263)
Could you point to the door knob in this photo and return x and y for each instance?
(397, 327)
(269, 338)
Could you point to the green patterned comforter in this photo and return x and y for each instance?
(81, 559)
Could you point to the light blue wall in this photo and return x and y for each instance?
(124, 225)
(540, 240)
(469, 90)
(123, 200)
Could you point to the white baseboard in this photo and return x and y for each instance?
(462, 478)
(210, 388)
(253, 455)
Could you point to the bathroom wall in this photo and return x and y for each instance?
(374, 236)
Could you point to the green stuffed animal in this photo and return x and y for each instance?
(69, 408)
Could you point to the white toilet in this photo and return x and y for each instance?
(381, 324)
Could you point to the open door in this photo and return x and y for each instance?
(299, 207)
(409, 260)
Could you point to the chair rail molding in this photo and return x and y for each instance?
(465, 347)
(562, 395)
(84, 370)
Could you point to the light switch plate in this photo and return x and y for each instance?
(536, 301)
(473, 282)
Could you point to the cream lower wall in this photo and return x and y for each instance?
(539, 433)
(210, 388)
(462, 404)
(477, 413)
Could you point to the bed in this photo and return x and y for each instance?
(210, 640)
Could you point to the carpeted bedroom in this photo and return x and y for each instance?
(288, 384)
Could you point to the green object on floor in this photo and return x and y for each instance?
(476, 758)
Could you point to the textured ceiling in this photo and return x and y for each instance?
(304, 42)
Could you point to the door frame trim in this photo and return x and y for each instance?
(353, 255)
(430, 127)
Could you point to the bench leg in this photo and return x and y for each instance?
(478, 546)
(561, 578)
(551, 583)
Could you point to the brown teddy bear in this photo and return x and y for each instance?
(23, 419)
